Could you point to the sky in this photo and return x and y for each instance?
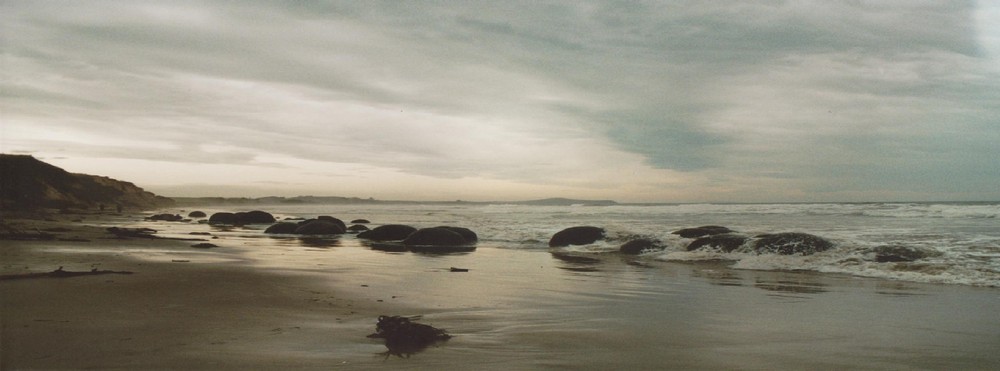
(662, 101)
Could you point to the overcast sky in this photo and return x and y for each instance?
(677, 101)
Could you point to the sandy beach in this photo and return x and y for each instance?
(268, 302)
(182, 309)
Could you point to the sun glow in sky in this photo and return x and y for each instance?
(681, 101)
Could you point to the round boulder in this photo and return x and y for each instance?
(435, 237)
(255, 217)
(317, 226)
(790, 243)
(388, 232)
(196, 214)
(576, 236)
(282, 228)
(466, 233)
(167, 217)
(360, 221)
(726, 242)
(357, 228)
(222, 218)
(333, 220)
(639, 246)
(705, 230)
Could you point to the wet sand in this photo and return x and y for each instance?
(180, 309)
(261, 302)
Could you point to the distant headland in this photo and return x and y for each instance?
(328, 200)
(29, 183)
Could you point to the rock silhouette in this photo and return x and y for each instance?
(584, 235)
(705, 230)
(388, 232)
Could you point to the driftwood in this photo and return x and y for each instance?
(404, 337)
(60, 273)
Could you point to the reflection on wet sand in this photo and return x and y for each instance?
(575, 262)
(898, 289)
(319, 242)
(721, 277)
(790, 285)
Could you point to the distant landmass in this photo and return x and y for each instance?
(328, 200)
(28, 183)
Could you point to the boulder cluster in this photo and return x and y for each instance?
(709, 237)
(404, 235)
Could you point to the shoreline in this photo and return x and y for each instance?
(184, 309)
(278, 302)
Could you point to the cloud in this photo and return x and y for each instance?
(670, 101)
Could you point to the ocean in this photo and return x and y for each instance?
(524, 305)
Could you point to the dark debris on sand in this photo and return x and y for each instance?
(405, 337)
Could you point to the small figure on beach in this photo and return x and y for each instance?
(404, 337)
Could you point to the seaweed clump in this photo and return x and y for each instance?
(404, 337)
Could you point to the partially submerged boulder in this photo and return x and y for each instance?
(790, 243)
(242, 218)
(435, 237)
(357, 228)
(167, 217)
(333, 220)
(900, 253)
(642, 245)
(196, 214)
(223, 218)
(317, 226)
(725, 242)
(255, 217)
(466, 233)
(583, 235)
(705, 230)
(388, 232)
(282, 228)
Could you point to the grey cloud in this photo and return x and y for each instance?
(712, 88)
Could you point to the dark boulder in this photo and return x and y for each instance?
(167, 217)
(388, 232)
(223, 218)
(204, 245)
(357, 228)
(899, 253)
(282, 228)
(317, 226)
(435, 237)
(790, 243)
(705, 230)
(639, 246)
(576, 236)
(404, 337)
(197, 214)
(466, 233)
(333, 220)
(360, 221)
(255, 217)
(726, 242)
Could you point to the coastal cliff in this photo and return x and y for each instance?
(27, 183)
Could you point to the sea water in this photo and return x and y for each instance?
(523, 305)
(964, 237)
